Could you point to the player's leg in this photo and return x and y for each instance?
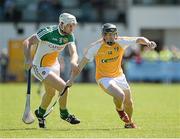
(50, 77)
(52, 82)
(55, 81)
(128, 106)
(40, 89)
(118, 96)
(59, 84)
(63, 100)
(128, 102)
(110, 87)
(64, 113)
(46, 100)
(47, 97)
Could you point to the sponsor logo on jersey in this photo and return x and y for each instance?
(56, 47)
(109, 60)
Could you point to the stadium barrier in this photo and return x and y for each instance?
(153, 71)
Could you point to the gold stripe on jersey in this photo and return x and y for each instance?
(108, 61)
(49, 59)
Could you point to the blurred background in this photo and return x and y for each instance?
(158, 20)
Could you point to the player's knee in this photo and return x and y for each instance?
(61, 87)
(120, 96)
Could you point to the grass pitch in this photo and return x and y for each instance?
(157, 113)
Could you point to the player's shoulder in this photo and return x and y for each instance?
(93, 47)
(51, 27)
(71, 37)
(46, 32)
(96, 44)
(48, 29)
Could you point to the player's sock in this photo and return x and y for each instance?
(123, 115)
(64, 113)
(41, 112)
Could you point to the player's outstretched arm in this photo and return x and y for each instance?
(81, 65)
(74, 58)
(27, 44)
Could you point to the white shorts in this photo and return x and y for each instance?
(120, 81)
(42, 72)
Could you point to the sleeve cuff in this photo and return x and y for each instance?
(38, 37)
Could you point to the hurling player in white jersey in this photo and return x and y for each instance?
(45, 67)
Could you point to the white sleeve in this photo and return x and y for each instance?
(71, 43)
(38, 37)
(91, 52)
(127, 41)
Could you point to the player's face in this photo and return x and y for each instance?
(69, 28)
(110, 37)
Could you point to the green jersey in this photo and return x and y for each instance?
(52, 41)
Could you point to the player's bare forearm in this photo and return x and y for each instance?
(81, 65)
(28, 43)
(142, 41)
(74, 64)
(75, 70)
(73, 53)
(74, 58)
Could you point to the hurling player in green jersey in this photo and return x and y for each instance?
(44, 66)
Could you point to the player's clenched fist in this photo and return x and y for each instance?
(28, 65)
(153, 44)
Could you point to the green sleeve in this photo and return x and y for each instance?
(71, 38)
